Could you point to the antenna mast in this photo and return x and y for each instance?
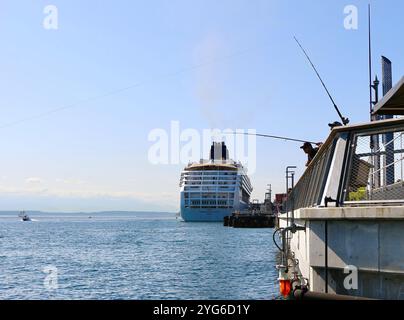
(344, 120)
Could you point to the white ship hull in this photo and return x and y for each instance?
(206, 215)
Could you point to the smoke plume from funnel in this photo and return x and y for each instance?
(208, 86)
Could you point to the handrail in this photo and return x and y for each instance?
(357, 127)
(317, 171)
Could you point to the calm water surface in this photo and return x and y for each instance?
(133, 256)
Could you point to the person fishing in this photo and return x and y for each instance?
(310, 151)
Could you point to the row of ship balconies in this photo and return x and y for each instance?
(210, 196)
(204, 183)
(209, 188)
(209, 204)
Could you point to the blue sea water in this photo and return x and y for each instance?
(133, 256)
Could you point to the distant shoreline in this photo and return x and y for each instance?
(87, 212)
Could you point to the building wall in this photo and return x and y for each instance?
(374, 246)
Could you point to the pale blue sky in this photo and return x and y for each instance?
(241, 54)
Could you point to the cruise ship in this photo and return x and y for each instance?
(213, 189)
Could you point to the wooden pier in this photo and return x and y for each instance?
(247, 220)
(259, 215)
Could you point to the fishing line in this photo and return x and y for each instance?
(274, 137)
(134, 85)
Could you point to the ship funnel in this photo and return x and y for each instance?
(219, 151)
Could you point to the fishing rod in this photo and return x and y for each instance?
(274, 137)
(344, 120)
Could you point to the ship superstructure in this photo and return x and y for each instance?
(212, 189)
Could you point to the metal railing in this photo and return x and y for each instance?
(371, 173)
(308, 190)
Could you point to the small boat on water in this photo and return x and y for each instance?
(24, 216)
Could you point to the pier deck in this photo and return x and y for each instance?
(250, 220)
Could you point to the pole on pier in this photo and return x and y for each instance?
(387, 82)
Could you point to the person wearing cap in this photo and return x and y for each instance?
(310, 151)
